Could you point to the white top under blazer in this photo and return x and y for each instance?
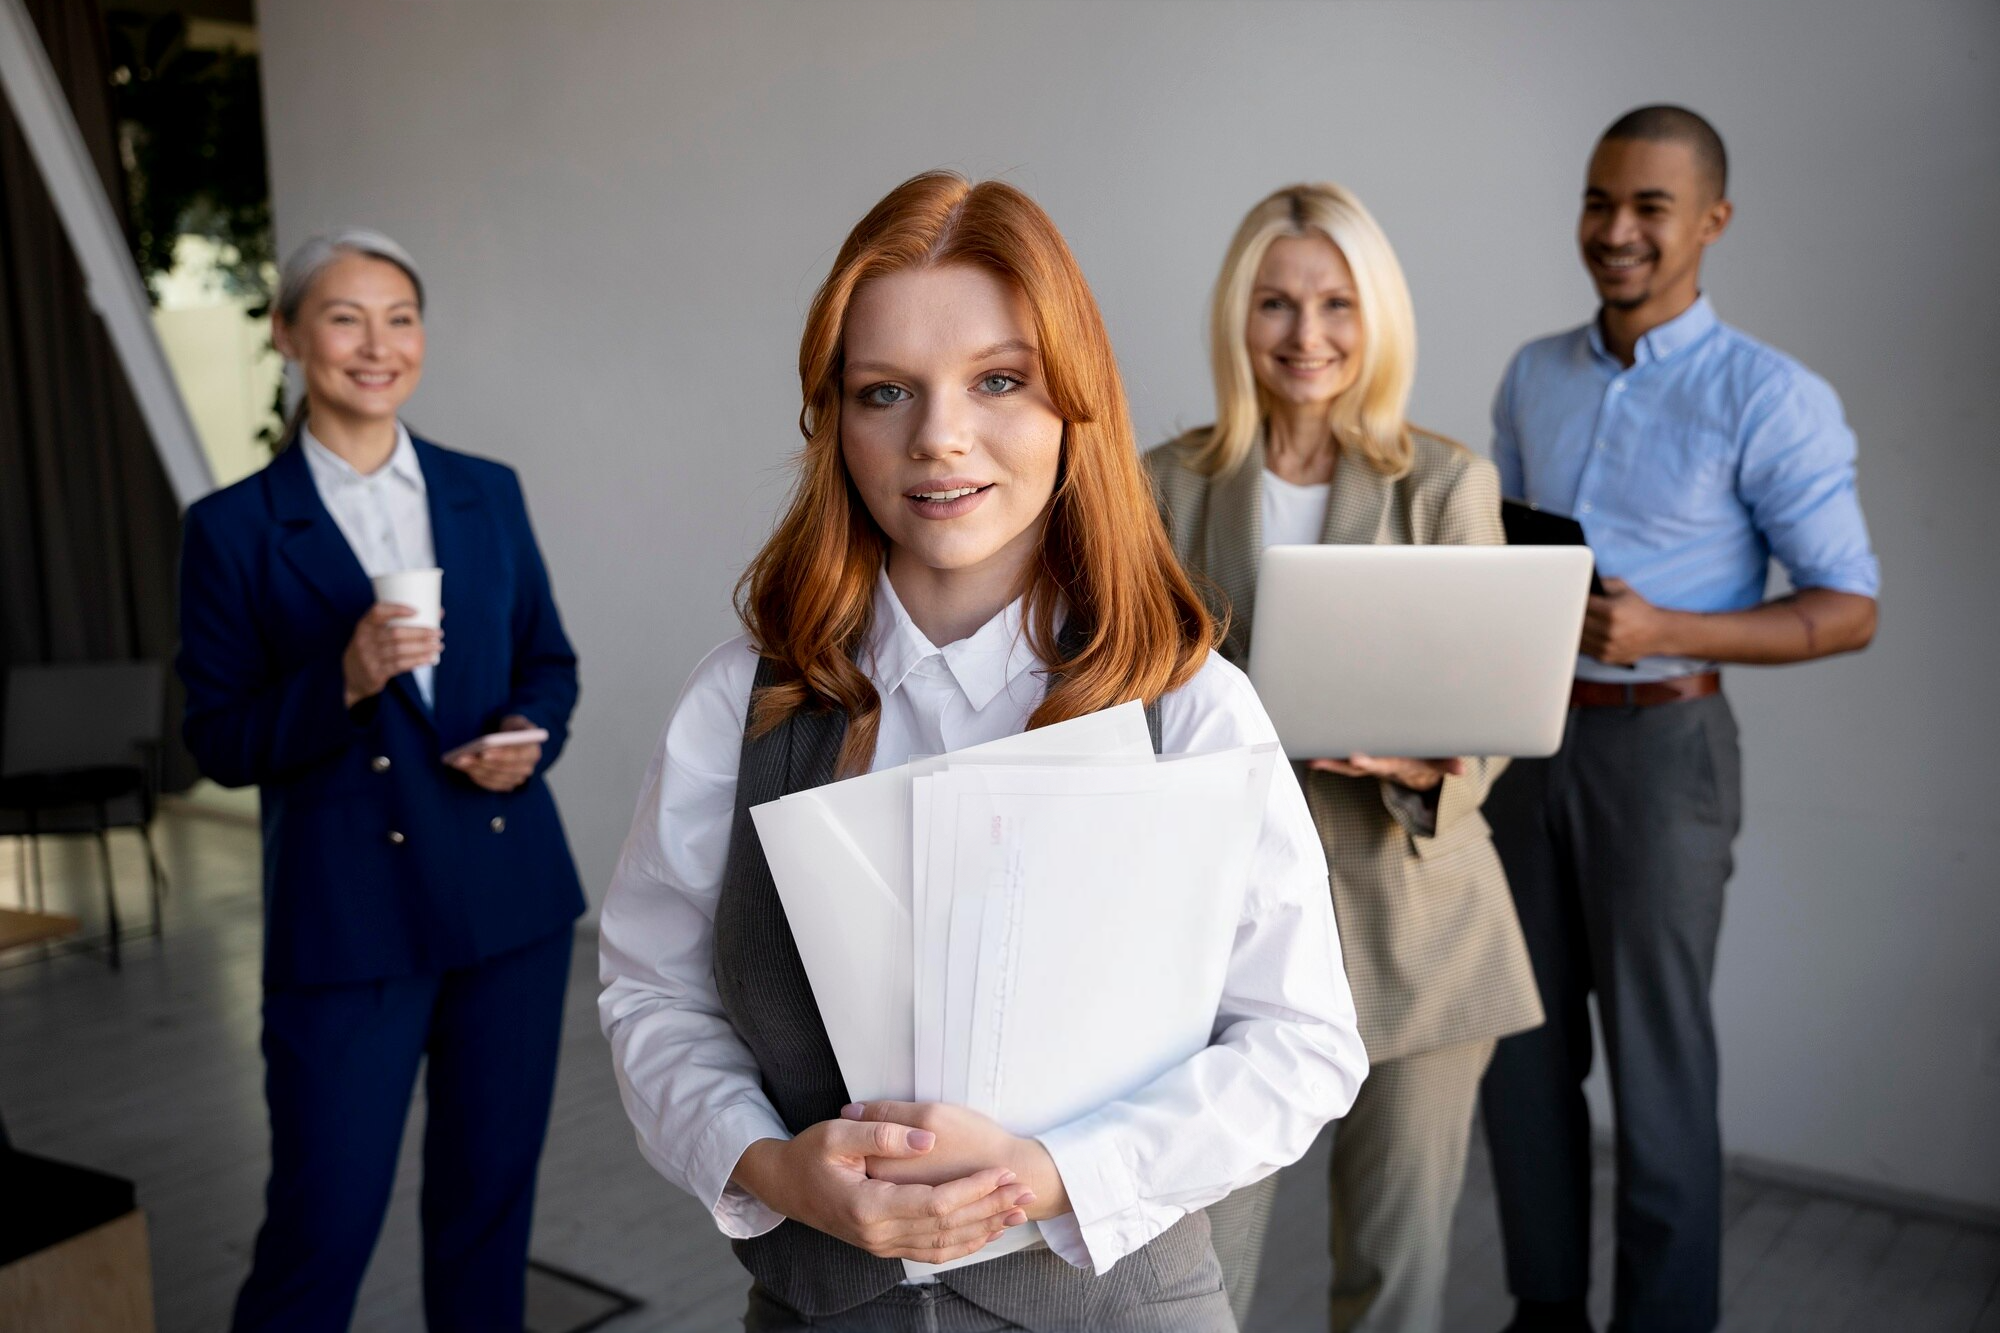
(385, 514)
(1294, 515)
(1286, 1056)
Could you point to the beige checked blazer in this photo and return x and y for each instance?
(1433, 949)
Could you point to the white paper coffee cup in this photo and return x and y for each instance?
(421, 589)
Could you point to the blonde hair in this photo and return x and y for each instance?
(1368, 420)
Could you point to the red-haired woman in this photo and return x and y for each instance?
(972, 550)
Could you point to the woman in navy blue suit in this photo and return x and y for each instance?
(416, 909)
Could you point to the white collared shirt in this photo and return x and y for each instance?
(385, 514)
(1286, 1057)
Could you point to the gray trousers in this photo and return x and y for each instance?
(933, 1308)
(1617, 850)
(1398, 1166)
(1173, 1285)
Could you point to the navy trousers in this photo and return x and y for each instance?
(1617, 850)
(340, 1063)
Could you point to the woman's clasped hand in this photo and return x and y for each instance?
(833, 1177)
(966, 1142)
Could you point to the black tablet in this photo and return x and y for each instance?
(1528, 526)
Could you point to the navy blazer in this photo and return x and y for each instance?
(379, 860)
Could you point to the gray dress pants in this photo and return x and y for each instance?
(933, 1308)
(1173, 1285)
(1617, 850)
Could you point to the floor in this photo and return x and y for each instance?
(153, 1073)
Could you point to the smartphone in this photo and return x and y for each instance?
(494, 740)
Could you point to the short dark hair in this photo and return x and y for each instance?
(1677, 124)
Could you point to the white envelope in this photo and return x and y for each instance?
(875, 807)
(1065, 889)
(841, 859)
(1082, 875)
(853, 936)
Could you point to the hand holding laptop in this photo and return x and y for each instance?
(1416, 774)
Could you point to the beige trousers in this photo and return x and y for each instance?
(1398, 1165)
(1236, 1228)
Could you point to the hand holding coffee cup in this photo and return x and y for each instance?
(400, 632)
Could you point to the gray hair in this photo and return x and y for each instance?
(312, 258)
(304, 265)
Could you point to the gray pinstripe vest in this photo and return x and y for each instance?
(769, 1001)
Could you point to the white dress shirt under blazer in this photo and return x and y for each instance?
(385, 514)
(1286, 1056)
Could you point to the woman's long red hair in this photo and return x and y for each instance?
(807, 598)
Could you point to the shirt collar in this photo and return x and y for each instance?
(1657, 344)
(329, 468)
(982, 664)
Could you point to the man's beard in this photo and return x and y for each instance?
(1628, 302)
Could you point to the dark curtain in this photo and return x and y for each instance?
(89, 527)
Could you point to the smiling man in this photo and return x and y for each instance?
(1692, 455)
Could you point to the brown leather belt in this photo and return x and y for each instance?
(1643, 694)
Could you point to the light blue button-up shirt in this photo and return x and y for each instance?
(1689, 470)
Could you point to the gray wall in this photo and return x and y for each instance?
(622, 209)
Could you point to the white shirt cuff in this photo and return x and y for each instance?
(737, 1212)
(1105, 1221)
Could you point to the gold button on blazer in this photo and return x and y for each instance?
(1433, 949)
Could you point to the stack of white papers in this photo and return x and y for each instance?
(1031, 928)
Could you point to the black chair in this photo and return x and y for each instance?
(80, 755)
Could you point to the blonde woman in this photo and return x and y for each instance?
(1313, 344)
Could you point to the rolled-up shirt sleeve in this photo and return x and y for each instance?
(1797, 480)
(689, 1084)
(1287, 1055)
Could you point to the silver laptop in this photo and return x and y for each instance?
(1421, 651)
